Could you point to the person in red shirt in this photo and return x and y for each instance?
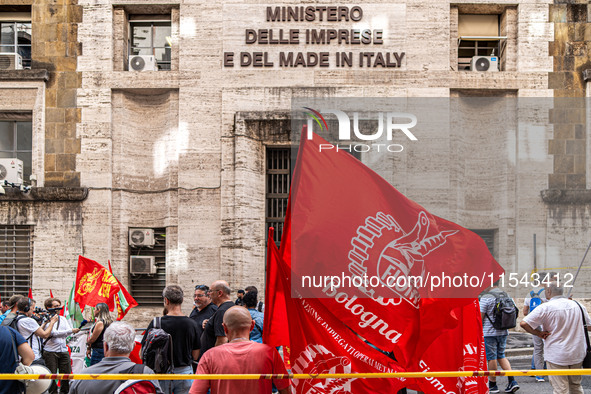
(240, 356)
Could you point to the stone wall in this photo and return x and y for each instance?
(571, 51)
(55, 47)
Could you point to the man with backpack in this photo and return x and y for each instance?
(498, 312)
(118, 343)
(172, 342)
(12, 308)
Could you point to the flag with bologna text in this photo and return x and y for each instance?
(321, 344)
(123, 300)
(94, 284)
(346, 222)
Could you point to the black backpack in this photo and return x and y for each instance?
(157, 349)
(504, 312)
(10, 321)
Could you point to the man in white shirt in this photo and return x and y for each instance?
(563, 335)
(55, 351)
(30, 329)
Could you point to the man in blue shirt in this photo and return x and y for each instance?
(250, 301)
(11, 340)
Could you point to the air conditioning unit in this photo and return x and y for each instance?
(484, 63)
(144, 265)
(141, 237)
(11, 170)
(142, 63)
(11, 61)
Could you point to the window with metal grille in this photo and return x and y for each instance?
(151, 35)
(147, 288)
(489, 239)
(16, 251)
(278, 180)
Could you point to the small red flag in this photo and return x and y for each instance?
(30, 293)
(50, 293)
(94, 284)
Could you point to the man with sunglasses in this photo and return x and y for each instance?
(204, 308)
(213, 333)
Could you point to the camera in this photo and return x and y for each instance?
(42, 315)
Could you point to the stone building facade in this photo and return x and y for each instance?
(184, 148)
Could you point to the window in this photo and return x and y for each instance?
(16, 141)
(479, 35)
(147, 289)
(151, 35)
(278, 181)
(15, 37)
(16, 251)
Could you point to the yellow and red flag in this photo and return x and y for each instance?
(94, 284)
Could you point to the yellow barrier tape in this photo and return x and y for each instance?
(407, 375)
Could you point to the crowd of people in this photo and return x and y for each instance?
(35, 336)
(38, 336)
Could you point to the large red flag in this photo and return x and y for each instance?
(320, 343)
(94, 284)
(123, 300)
(348, 222)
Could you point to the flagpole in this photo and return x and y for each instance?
(579, 270)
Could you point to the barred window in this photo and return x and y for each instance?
(16, 251)
(278, 181)
(146, 280)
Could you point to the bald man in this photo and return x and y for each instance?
(213, 332)
(240, 356)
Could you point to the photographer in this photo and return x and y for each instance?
(30, 329)
(55, 351)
